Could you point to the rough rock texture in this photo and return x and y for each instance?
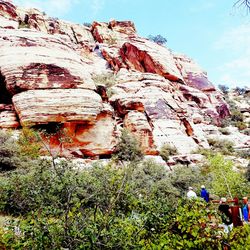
(35, 60)
(8, 117)
(48, 76)
(137, 123)
(57, 105)
(192, 73)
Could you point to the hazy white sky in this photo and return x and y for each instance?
(212, 32)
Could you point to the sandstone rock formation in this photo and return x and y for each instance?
(48, 76)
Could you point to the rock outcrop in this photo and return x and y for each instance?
(48, 76)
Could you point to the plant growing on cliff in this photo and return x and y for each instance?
(128, 148)
(223, 88)
(224, 131)
(23, 25)
(30, 143)
(159, 39)
(87, 24)
(107, 80)
(225, 147)
(166, 151)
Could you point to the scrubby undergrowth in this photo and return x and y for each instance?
(126, 204)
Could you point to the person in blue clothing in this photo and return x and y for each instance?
(246, 210)
(204, 193)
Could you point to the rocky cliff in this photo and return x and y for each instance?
(94, 81)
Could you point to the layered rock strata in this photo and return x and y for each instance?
(48, 76)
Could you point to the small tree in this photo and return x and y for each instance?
(166, 151)
(9, 152)
(225, 180)
(243, 3)
(223, 88)
(240, 91)
(128, 148)
(248, 172)
(159, 39)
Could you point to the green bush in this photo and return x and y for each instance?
(159, 39)
(223, 146)
(106, 207)
(191, 228)
(244, 153)
(87, 24)
(236, 116)
(107, 79)
(184, 177)
(224, 131)
(248, 172)
(23, 25)
(30, 143)
(166, 151)
(241, 125)
(223, 88)
(239, 238)
(225, 181)
(246, 131)
(128, 148)
(9, 152)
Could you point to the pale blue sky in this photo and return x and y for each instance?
(211, 32)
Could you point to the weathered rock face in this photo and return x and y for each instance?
(146, 56)
(35, 60)
(193, 74)
(48, 72)
(57, 105)
(8, 117)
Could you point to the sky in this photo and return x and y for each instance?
(214, 33)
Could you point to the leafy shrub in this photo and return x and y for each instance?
(101, 206)
(241, 125)
(159, 39)
(166, 151)
(87, 24)
(224, 131)
(240, 91)
(112, 40)
(225, 181)
(128, 148)
(248, 172)
(237, 116)
(244, 153)
(226, 122)
(23, 25)
(105, 207)
(246, 131)
(9, 152)
(239, 238)
(190, 228)
(184, 177)
(107, 80)
(223, 146)
(30, 143)
(223, 88)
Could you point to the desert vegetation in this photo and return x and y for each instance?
(127, 203)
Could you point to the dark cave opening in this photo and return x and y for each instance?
(5, 96)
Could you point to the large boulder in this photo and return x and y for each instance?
(57, 105)
(35, 60)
